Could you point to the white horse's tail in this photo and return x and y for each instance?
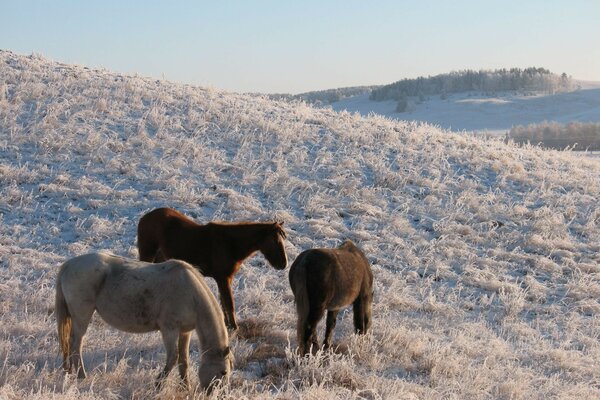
(298, 281)
(63, 323)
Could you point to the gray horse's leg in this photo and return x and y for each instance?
(331, 320)
(184, 353)
(170, 338)
(81, 315)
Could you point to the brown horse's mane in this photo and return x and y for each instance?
(268, 227)
(240, 223)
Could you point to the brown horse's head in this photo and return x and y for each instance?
(273, 247)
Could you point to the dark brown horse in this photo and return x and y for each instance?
(216, 249)
(330, 279)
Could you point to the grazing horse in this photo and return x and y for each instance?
(216, 249)
(330, 279)
(130, 295)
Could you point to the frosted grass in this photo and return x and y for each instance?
(486, 256)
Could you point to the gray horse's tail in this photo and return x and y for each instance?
(63, 323)
(298, 283)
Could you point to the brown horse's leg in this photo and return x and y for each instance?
(310, 328)
(361, 317)
(169, 337)
(331, 320)
(184, 353)
(227, 302)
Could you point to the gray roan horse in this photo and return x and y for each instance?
(330, 279)
(135, 296)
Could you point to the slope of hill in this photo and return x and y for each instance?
(485, 255)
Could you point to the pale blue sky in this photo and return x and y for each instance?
(284, 46)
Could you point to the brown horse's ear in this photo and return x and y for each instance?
(279, 228)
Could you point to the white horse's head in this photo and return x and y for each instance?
(215, 369)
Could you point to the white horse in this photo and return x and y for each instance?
(136, 296)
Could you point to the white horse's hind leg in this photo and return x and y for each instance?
(81, 315)
(184, 353)
(170, 338)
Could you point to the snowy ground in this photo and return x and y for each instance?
(489, 114)
(486, 256)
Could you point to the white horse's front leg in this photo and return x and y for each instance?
(170, 338)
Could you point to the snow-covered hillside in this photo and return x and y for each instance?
(484, 113)
(486, 256)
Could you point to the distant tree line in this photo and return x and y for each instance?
(489, 81)
(576, 135)
(324, 97)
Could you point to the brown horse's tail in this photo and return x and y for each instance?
(63, 323)
(298, 282)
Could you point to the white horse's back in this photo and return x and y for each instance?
(83, 274)
(133, 296)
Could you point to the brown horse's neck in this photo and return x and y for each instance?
(243, 238)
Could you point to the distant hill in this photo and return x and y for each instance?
(324, 97)
(488, 113)
(488, 81)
